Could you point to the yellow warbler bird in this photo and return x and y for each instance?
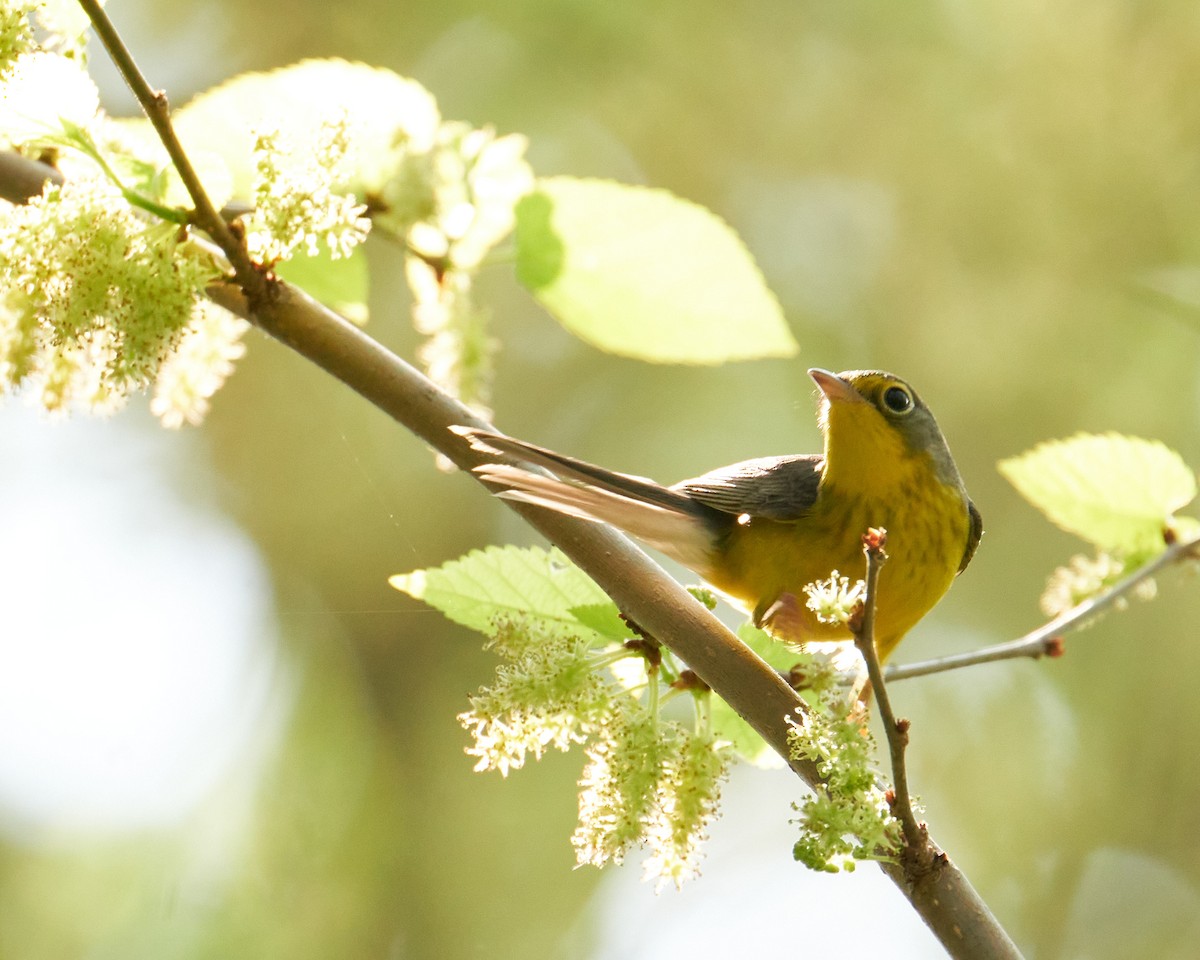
(760, 530)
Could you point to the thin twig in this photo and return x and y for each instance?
(154, 104)
(863, 627)
(1046, 640)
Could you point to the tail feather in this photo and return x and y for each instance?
(665, 519)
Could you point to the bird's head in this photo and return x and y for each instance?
(873, 421)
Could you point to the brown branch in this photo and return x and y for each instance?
(157, 109)
(945, 900)
(896, 731)
(22, 178)
(955, 913)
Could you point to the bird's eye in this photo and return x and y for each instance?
(898, 400)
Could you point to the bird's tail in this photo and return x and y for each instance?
(666, 519)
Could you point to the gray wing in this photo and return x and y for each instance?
(973, 535)
(778, 488)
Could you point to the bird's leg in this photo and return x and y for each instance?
(782, 617)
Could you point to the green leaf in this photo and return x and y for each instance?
(340, 284)
(1116, 492)
(728, 725)
(501, 582)
(644, 274)
(605, 619)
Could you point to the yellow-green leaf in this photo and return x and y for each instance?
(642, 273)
(1116, 492)
(503, 582)
(380, 109)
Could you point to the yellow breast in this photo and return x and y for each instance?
(765, 564)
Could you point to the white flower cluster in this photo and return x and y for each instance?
(295, 203)
(474, 180)
(686, 801)
(92, 300)
(545, 696)
(835, 599)
(200, 364)
(646, 783)
(846, 818)
(97, 300)
(16, 33)
(1084, 577)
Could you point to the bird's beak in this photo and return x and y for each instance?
(834, 388)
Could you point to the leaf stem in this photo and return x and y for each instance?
(79, 139)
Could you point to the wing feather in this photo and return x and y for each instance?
(778, 488)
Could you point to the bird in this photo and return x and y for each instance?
(761, 530)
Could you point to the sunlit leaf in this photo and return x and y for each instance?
(39, 90)
(381, 110)
(644, 274)
(1116, 492)
(503, 581)
(605, 619)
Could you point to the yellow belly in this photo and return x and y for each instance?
(765, 564)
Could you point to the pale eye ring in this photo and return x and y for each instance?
(898, 400)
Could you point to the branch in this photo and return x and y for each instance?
(22, 178)
(963, 923)
(154, 104)
(1046, 640)
(896, 731)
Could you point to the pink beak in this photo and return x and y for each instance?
(834, 388)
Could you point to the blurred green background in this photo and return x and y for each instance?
(224, 735)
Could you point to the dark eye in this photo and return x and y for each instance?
(897, 399)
